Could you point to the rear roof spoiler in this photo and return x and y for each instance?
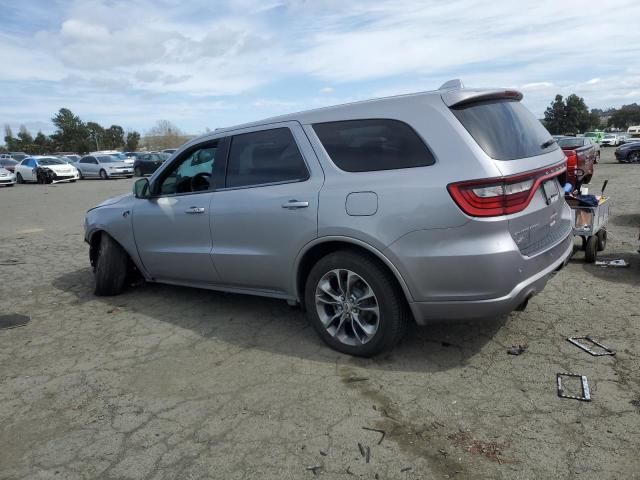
(454, 96)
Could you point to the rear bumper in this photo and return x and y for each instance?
(428, 312)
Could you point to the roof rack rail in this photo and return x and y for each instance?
(452, 84)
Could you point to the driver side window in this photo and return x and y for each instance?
(193, 173)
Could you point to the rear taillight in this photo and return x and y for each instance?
(500, 196)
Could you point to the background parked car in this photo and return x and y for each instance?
(18, 156)
(581, 154)
(596, 136)
(611, 140)
(629, 152)
(170, 151)
(27, 170)
(103, 166)
(8, 163)
(148, 163)
(7, 178)
(114, 153)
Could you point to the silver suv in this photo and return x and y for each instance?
(432, 206)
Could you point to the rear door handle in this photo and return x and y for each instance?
(194, 210)
(294, 204)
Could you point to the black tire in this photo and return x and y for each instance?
(80, 175)
(72, 181)
(591, 249)
(394, 314)
(110, 267)
(587, 179)
(103, 175)
(138, 172)
(583, 245)
(19, 178)
(602, 240)
(634, 157)
(129, 176)
(11, 185)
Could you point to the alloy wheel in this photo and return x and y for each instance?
(347, 307)
(634, 157)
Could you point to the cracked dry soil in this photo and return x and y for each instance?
(177, 383)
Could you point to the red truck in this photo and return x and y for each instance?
(581, 154)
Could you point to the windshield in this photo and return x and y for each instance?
(108, 159)
(119, 156)
(18, 156)
(571, 142)
(6, 161)
(609, 136)
(50, 161)
(505, 129)
(591, 134)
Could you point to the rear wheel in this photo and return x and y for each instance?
(19, 178)
(103, 175)
(591, 249)
(80, 175)
(355, 305)
(602, 240)
(110, 267)
(634, 157)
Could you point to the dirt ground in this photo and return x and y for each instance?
(176, 383)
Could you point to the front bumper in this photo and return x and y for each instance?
(10, 180)
(120, 173)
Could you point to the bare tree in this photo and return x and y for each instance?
(164, 134)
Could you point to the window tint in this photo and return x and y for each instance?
(268, 156)
(194, 173)
(372, 145)
(505, 129)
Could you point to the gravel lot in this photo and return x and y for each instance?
(171, 383)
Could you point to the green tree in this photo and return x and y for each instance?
(9, 140)
(133, 139)
(25, 141)
(43, 144)
(114, 137)
(72, 135)
(554, 116)
(570, 115)
(624, 117)
(96, 134)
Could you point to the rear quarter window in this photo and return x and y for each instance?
(373, 145)
(505, 129)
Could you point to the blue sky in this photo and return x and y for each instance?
(206, 64)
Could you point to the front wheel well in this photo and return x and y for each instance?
(94, 252)
(315, 253)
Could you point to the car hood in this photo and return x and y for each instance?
(65, 168)
(116, 165)
(4, 172)
(113, 200)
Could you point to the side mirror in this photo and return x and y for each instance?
(141, 188)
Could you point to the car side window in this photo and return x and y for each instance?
(192, 173)
(372, 145)
(264, 157)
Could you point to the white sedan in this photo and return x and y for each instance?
(56, 170)
(7, 178)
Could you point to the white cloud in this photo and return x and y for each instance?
(146, 59)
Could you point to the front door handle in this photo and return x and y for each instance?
(194, 210)
(294, 204)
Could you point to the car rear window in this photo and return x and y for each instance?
(373, 145)
(505, 129)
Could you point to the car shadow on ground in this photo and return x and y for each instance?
(271, 325)
(626, 220)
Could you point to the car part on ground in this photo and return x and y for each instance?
(585, 395)
(586, 343)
